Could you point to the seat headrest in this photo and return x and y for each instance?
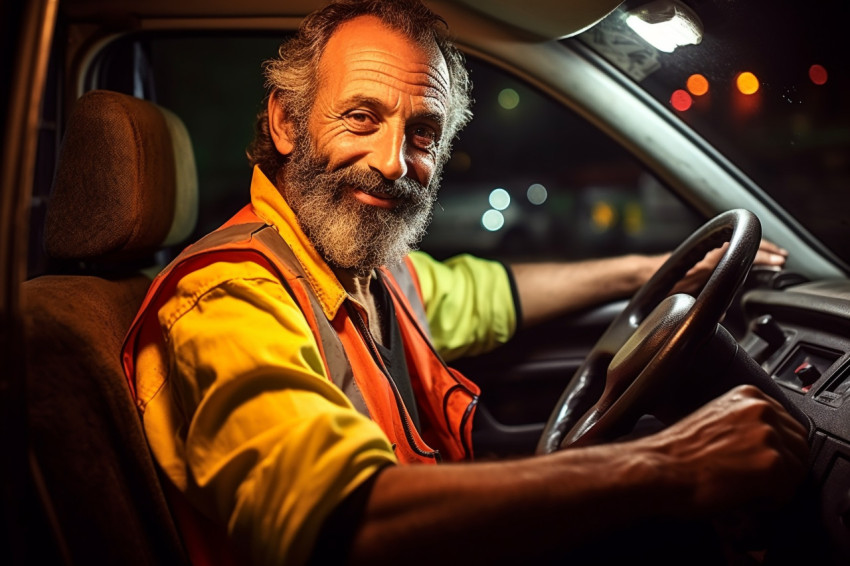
(125, 184)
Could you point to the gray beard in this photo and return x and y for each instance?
(346, 232)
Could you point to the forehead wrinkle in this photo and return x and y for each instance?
(412, 83)
(430, 70)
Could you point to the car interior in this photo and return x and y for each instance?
(117, 119)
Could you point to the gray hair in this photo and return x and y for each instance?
(292, 77)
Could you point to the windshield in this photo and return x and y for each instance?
(768, 86)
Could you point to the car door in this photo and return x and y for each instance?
(26, 29)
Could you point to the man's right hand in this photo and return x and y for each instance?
(741, 451)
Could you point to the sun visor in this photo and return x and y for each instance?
(546, 18)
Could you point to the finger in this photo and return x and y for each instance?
(782, 417)
(770, 254)
(712, 258)
(768, 246)
(749, 391)
(794, 433)
(764, 257)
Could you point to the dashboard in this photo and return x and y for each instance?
(800, 335)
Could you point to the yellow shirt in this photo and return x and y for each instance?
(237, 406)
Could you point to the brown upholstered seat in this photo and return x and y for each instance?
(125, 186)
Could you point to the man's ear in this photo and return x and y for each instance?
(279, 127)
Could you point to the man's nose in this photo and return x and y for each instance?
(387, 155)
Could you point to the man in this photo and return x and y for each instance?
(283, 372)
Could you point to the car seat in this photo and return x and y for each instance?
(125, 188)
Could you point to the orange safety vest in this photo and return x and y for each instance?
(446, 400)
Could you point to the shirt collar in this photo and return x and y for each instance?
(270, 205)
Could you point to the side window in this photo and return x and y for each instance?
(529, 179)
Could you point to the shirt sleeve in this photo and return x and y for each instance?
(271, 445)
(469, 303)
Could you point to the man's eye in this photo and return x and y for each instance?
(424, 137)
(359, 121)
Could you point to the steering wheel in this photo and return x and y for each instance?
(653, 338)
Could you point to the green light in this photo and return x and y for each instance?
(508, 99)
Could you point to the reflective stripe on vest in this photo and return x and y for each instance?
(446, 400)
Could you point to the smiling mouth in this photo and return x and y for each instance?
(377, 198)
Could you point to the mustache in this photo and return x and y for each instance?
(372, 182)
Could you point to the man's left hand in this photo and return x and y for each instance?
(768, 255)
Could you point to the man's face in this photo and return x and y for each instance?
(363, 179)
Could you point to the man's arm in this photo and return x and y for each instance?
(738, 452)
(548, 290)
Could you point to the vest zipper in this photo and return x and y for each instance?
(373, 350)
(458, 385)
(472, 404)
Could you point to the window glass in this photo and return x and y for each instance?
(767, 84)
(528, 179)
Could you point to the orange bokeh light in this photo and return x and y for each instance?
(747, 83)
(818, 74)
(697, 84)
(681, 100)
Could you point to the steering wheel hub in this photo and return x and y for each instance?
(650, 335)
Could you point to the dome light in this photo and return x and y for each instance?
(666, 24)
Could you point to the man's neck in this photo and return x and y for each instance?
(359, 289)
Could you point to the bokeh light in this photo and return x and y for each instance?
(492, 220)
(603, 215)
(747, 83)
(818, 74)
(500, 199)
(697, 84)
(681, 100)
(508, 98)
(537, 194)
